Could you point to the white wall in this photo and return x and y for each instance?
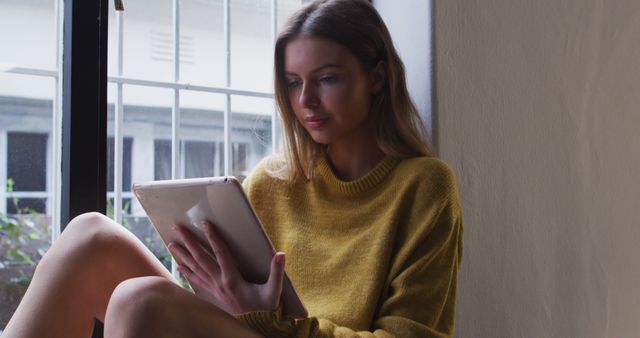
(539, 115)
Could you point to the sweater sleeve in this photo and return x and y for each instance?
(420, 299)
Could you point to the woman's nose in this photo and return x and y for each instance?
(308, 97)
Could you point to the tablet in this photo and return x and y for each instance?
(222, 202)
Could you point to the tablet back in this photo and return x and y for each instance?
(221, 201)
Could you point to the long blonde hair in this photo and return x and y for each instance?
(356, 25)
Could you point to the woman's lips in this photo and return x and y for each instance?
(315, 122)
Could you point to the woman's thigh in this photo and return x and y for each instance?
(99, 254)
(74, 280)
(157, 307)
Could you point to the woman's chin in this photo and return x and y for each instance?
(320, 138)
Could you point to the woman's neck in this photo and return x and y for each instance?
(353, 160)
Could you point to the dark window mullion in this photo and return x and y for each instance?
(84, 108)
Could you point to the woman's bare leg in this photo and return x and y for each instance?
(156, 307)
(74, 281)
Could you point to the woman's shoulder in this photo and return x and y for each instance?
(430, 170)
(431, 183)
(428, 178)
(271, 170)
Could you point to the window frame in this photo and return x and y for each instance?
(84, 103)
(3, 170)
(54, 148)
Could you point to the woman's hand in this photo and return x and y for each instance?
(218, 274)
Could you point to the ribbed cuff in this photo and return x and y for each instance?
(270, 324)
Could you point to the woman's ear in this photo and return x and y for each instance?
(378, 77)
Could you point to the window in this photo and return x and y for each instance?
(126, 163)
(162, 159)
(240, 152)
(26, 172)
(199, 159)
(30, 138)
(185, 83)
(126, 175)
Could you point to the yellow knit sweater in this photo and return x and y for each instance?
(375, 257)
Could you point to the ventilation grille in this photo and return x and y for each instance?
(162, 47)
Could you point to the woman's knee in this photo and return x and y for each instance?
(87, 237)
(140, 305)
(89, 225)
(158, 307)
(95, 231)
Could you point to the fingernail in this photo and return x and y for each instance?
(280, 258)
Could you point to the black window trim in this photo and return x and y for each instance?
(84, 108)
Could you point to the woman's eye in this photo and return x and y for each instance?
(329, 79)
(293, 83)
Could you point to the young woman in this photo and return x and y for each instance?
(369, 219)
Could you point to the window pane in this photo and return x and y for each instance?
(251, 137)
(147, 117)
(285, 9)
(199, 157)
(202, 133)
(28, 96)
(146, 131)
(202, 58)
(26, 205)
(26, 166)
(126, 206)
(220, 163)
(27, 32)
(251, 37)
(142, 228)
(126, 163)
(147, 40)
(161, 159)
(27, 161)
(240, 152)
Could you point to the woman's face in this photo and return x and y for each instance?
(329, 90)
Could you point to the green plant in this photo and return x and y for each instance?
(23, 238)
(125, 210)
(16, 233)
(140, 228)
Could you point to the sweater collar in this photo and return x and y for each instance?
(362, 184)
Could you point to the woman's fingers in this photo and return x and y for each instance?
(225, 260)
(201, 262)
(184, 258)
(192, 276)
(181, 255)
(276, 276)
(217, 272)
